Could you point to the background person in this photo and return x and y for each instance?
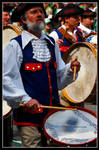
(6, 14)
(87, 20)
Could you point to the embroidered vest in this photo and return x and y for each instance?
(40, 82)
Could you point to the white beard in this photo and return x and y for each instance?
(35, 26)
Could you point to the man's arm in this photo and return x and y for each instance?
(13, 90)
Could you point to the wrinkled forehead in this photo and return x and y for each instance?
(5, 12)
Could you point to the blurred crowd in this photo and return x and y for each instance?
(51, 10)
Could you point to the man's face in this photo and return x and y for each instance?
(73, 21)
(6, 18)
(88, 22)
(35, 18)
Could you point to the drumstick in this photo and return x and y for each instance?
(61, 108)
(74, 73)
(67, 27)
(53, 107)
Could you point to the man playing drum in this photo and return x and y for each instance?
(33, 71)
(68, 34)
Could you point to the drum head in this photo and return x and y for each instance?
(6, 109)
(81, 88)
(69, 127)
(9, 32)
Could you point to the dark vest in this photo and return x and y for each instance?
(40, 82)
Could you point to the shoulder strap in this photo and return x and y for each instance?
(67, 35)
(79, 33)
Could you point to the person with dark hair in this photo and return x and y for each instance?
(68, 33)
(87, 20)
(6, 14)
(33, 71)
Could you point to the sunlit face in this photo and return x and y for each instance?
(5, 17)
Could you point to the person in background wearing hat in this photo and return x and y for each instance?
(33, 71)
(6, 14)
(87, 20)
(68, 33)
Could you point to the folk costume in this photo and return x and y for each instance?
(33, 68)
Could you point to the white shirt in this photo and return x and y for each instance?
(13, 89)
(84, 29)
(56, 37)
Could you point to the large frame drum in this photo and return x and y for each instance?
(71, 128)
(10, 31)
(83, 88)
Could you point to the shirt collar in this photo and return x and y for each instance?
(85, 28)
(27, 37)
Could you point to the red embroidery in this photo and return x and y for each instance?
(69, 11)
(26, 123)
(64, 48)
(55, 65)
(87, 14)
(33, 66)
(32, 112)
(50, 86)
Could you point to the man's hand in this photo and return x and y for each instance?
(33, 105)
(75, 63)
(60, 42)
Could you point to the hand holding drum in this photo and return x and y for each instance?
(75, 66)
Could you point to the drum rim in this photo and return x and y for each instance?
(60, 142)
(66, 53)
(15, 28)
(78, 43)
(7, 114)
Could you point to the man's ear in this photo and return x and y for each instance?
(23, 18)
